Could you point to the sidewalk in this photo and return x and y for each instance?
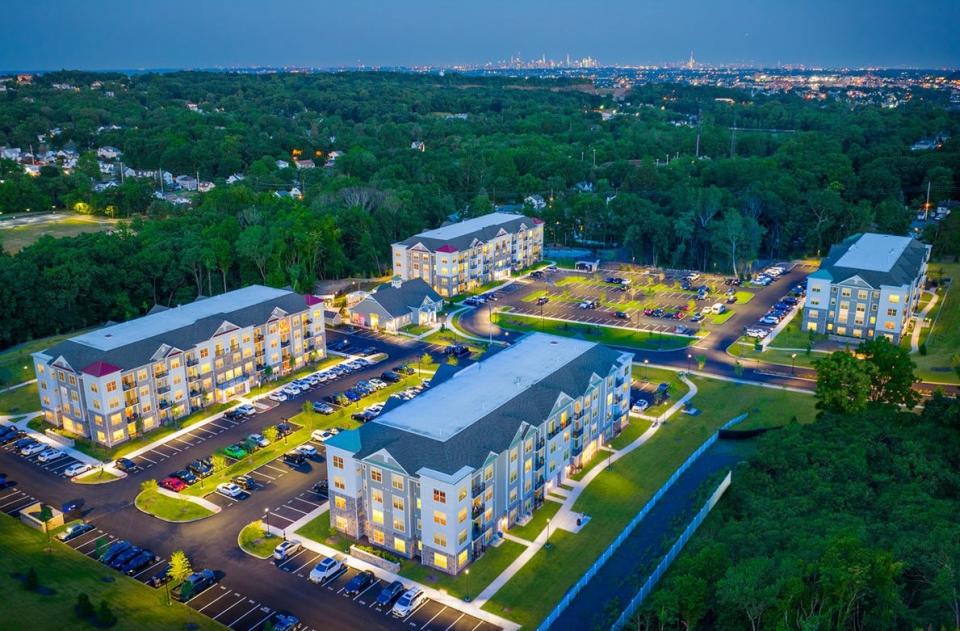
(17, 385)
(918, 321)
(70, 451)
(566, 518)
(440, 596)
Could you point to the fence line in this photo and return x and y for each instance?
(592, 571)
(671, 554)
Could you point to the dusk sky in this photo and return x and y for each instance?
(100, 34)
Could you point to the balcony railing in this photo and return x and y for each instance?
(128, 385)
(541, 444)
(162, 389)
(193, 361)
(477, 510)
(160, 374)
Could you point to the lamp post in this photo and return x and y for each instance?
(646, 362)
(793, 363)
(266, 519)
(689, 359)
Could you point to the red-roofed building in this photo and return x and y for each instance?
(100, 369)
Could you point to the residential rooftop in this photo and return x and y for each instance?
(461, 234)
(877, 259)
(469, 226)
(874, 252)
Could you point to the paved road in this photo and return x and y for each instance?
(250, 589)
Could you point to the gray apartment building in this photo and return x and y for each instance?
(125, 379)
(867, 286)
(458, 257)
(439, 476)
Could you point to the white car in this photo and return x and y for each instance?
(76, 469)
(410, 600)
(247, 409)
(277, 396)
(326, 568)
(229, 489)
(49, 454)
(640, 406)
(34, 449)
(290, 390)
(259, 440)
(321, 435)
(379, 384)
(308, 450)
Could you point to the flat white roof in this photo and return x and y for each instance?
(472, 393)
(116, 335)
(874, 252)
(470, 225)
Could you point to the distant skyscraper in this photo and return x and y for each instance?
(691, 63)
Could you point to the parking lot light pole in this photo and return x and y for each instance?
(646, 362)
(793, 364)
(689, 359)
(266, 520)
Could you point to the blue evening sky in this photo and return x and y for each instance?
(92, 34)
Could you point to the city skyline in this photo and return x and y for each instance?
(112, 35)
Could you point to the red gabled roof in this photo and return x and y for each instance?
(100, 369)
(537, 221)
(313, 300)
(446, 248)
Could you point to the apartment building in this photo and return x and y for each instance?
(458, 257)
(869, 285)
(125, 379)
(438, 477)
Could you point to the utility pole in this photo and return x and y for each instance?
(733, 135)
(926, 205)
(595, 161)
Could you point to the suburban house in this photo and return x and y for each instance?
(125, 379)
(439, 477)
(458, 257)
(869, 285)
(396, 305)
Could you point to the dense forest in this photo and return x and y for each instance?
(848, 523)
(662, 177)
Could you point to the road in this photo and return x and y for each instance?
(250, 589)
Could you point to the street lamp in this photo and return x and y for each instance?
(266, 520)
(689, 360)
(793, 364)
(646, 362)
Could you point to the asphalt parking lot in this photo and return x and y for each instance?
(13, 499)
(54, 467)
(232, 608)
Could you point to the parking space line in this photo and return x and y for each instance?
(300, 499)
(477, 627)
(13, 491)
(147, 459)
(267, 466)
(265, 618)
(222, 428)
(14, 501)
(225, 593)
(138, 574)
(262, 474)
(254, 608)
(307, 563)
(434, 617)
(419, 607)
(369, 587)
(455, 622)
(282, 517)
(287, 506)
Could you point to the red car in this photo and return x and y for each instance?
(648, 312)
(684, 307)
(173, 484)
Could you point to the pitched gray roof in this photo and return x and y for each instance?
(902, 271)
(398, 301)
(139, 352)
(435, 239)
(494, 431)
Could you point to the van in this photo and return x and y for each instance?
(718, 308)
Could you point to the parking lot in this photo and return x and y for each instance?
(627, 304)
(13, 499)
(96, 541)
(232, 608)
(55, 466)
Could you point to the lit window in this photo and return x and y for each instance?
(378, 536)
(462, 515)
(440, 540)
(339, 502)
(338, 483)
(439, 517)
(399, 544)
(397, 503)
(440, 560)
(439, 496)
(338, 462)
(376, 475)
(340, 522)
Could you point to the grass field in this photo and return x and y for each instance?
(538, 521)
(648, 375)
(16, 364)
(943, 341)
(67, 573)
(170, 508)
(632, 432)
(100, 477)
(615, 496)
(20, 400)
(604, 335)
(16, 238)
(254, 541)
(320, 530)
(466, 585)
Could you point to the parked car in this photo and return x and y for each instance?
(322, 408)
(173, 484)
(639, 406)
(185, 475)
(389, 594)
(390, 377)
(229, 489)
(200, 468)
(282, 621)
(49, 454)
(160, 578)
(33, 449)
(362, 417)
(457, 350)
(408, 601)
(245, 482)
(321, 487)
(198, 582)
(697, 317)
(75, 530)
(258, 439)
(236, 451)
(284, 429)
(328, 567)
(542, 300)
(121, 559)
(359, 583)
(77, 468)
(139, 563)
(284, 550)
(125, 464)
(294, 458)
(278, 396)
(621, 315)
(309, 451)
(403, 369)
(114, 550)
(321, 435)
(247, 410)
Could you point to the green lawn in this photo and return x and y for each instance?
(253, 541)
(285, 379)
(169, 508)
(20, 400)
(792, 337)
(656, 376)
(538, 522)
(320, 530)
(16, 364)
(744, 349)
(100, 477)
(466, 584)
(943, 341)
(415, 329)
(615, 496)
(67, 573)
(15, 239)
(633, 431)
(603, 335)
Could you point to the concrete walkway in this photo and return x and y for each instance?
(17, 385)
(471, 608)
(566, 518)
(918, 321)
(199, 501)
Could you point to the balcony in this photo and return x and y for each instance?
(132, 417)
(193, 361)
(541, 444)
(160, 374)
(477, 510)
(258, 337)
(284, 343)
(540, 462)
(164, 404)
(128, 385)
(197, 392)
(163, 389)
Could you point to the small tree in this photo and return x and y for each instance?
(270, 433)
(105, 615)
(179, 566)
(426, 361)
(186, 591)
(218, 463)
(83, 608)
(738, 369)
(148, 485)
(259, 529)
(101, 546)
(46, 514)
(453, 360)
(307, 408)
(701, 361)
